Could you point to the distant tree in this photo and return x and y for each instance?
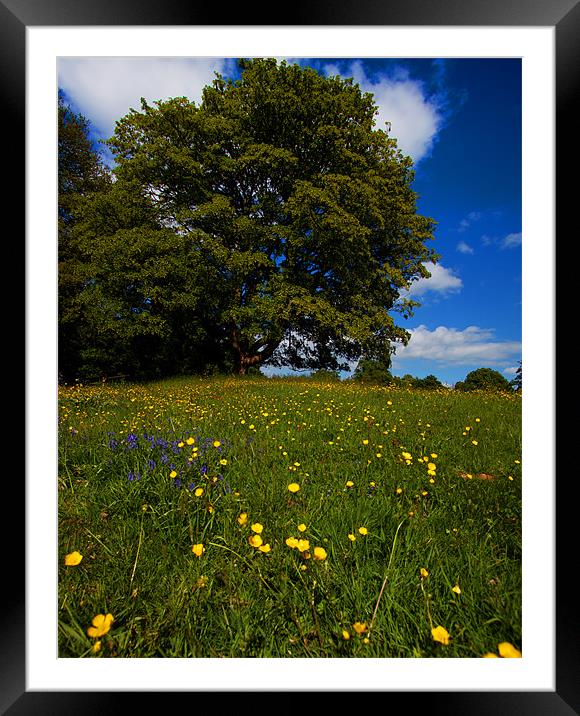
(429, 382)
(293, 217)
(516, 383)
(484, 379)
(374, 370)
(325, 374)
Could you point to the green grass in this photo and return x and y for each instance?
(136, 535)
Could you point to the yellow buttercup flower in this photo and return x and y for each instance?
(345, 635)
(302, 527)
(198, 549)
(440, 634)
(292, 542)
(349, 483)
(424, 572)
(489, 655)
(101, 625)
(173, 474)
(243, 518)
(198, 492)
(508, 651)
(72, 559)
(257, 527)
(216, 443)
(363, 530)
(303, 545)
(293, 487)
(351, 537)
(264, 548)
(359, 627)
(456, 589)
(190, 441)
(255, 540)
(319, 553)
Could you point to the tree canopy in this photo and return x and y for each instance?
(484, 379)
(271, 223)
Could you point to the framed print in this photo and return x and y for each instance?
(537, 46)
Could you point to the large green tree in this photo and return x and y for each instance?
(292, 214)
(81, 173)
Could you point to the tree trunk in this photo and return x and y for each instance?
(244, 359)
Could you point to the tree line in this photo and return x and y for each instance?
(271, 224)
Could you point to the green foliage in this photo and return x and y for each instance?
(271, 223)
(484, 379)
(324, 374)
(429, 382)
(374, 370)
(81, 174)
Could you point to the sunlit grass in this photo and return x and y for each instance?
(288, 518)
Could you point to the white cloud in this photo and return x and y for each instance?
(450, 346)
(104, 89)
(413, 117)
(465, 223)
(511, 241)
(510, 370)
(464, 248)
(442, 281)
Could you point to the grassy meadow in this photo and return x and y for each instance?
(249, 517)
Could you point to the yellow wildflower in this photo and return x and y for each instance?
(440, 634)
(319, 553)
(257, 527)
(101, 625)
(72, 559)
(255, 540)
(303, 545)
(507, 651)
(198, 549)
(293, 487)
(243, 518)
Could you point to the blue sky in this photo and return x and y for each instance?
(460, 121)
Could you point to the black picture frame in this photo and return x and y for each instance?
(564, 16)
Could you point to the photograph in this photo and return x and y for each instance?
(289, 357)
